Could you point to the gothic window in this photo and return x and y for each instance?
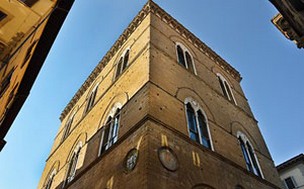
(122, 63)
(49, 182)
(2, 15)
(91, 100)
(184, 58)
(226, 88)
(197, 124)
(73, 165)
(109, 133)
(67, 127)
(289, 182)
(250, 158)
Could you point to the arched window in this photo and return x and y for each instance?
(122, 63)
(250, 158)
(184, 58)
(226, 88)
(197, 124)
(67, 127)
(73, 164)
(109, 133)
(91, 99)
(50, 180)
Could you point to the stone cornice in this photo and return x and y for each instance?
(149, 7)
(184, 32)
(119, 43)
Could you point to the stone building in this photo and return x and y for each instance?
(290, 20)
(28, 29)
(160, 110)
(292, 172)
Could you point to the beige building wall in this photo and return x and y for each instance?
(297, 173)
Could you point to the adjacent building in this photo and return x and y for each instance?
(290, 20)
(28, 29)
(292, 172)
(160, 110)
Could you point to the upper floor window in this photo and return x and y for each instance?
(226, 88)
(2, 15)
(67, 128)
(184, 58)
(49, 182)
(73, 164)
(197, 124)
(123, 63)
(109, 133)
(250, 158)
(91, 99)
(290, 183)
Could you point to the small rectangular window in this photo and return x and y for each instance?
(2, 15)
(290, 183)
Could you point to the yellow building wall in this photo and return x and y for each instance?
(20, 30)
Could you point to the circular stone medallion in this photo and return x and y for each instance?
(131, 159)
(168, 158)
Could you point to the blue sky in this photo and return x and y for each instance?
(239, 31)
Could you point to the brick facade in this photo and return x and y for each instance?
(152, 92)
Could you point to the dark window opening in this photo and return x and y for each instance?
(289, 183)
(91, 100)
(197, 126)
(204, 130)
(2, 15)
(122, 64)
(189, 62)
(109, 134)
(180, 54)
(49, 183)
(250, 158)
(67, 129)
(126, 60)
(72, 167)
(29, 2)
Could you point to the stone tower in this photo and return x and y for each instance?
(160, 110)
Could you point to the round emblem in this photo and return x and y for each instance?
(168, 158)
(131, 159)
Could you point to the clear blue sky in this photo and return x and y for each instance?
(239, 31)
